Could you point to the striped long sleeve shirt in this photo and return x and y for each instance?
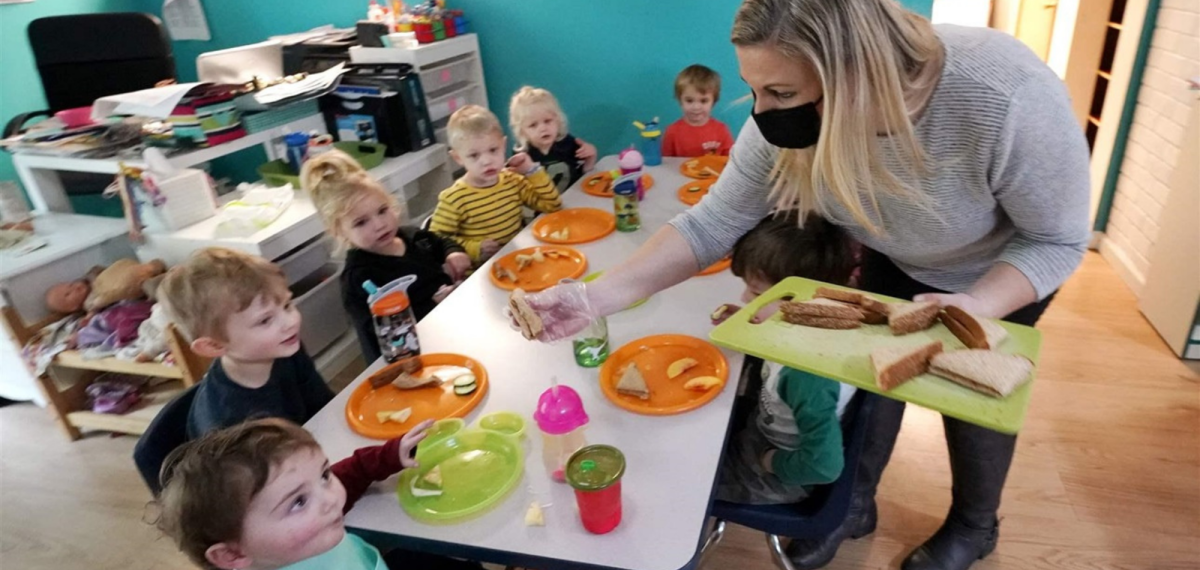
(470, 215)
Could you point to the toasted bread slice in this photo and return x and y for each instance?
(632, 383)
(406, 381)
(852, 297)
(524, 315)
(874, 305)
(874, 317)
(824, 308)
(973, 331)
(897, 365)
(822, 322)
(993, 373)
(912, 317)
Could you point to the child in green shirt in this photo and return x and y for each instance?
(793, 439)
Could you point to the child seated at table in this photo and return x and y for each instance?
(793, 439)
(363, 216)
(482, 210)
(540, 127)
(261, 495)
(697, 133)
(236, 309)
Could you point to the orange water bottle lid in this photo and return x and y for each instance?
(390, 304)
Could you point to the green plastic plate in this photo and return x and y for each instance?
(479, 469)
(843, 355)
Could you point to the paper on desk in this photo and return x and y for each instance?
(185, 20)
(156, 103)
(314, 85)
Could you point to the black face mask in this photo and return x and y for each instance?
(794, 127)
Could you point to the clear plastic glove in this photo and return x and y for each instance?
(565, 310)
(409, 442)
(443, 292)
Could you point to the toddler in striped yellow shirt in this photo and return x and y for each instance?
(482, 210)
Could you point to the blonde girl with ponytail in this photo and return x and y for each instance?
(364, 220)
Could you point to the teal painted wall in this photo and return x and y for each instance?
(608, 62)
(20, 88)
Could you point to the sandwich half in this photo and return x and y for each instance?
(973, 331)
(632, 383)
(897, 365)
(912, 317)
(993, 373)
(524, 315)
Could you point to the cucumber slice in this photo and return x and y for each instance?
(464, 390)
(464, 380)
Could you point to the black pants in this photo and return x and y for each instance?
(401, 559)
(979, 457)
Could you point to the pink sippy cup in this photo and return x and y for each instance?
(631, 161)
(560, 419)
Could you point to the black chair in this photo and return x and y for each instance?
(167, 432)
(84, 57)
(817, 515)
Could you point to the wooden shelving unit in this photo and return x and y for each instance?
(66, 380)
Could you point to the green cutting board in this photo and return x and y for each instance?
(843, 355)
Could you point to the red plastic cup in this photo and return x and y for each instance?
(595, 473)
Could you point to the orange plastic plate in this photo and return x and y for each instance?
(694, 190)
(537, 276)
(702, 167)
(583, 225)
(652, 355)
(717, 267)
(600, 184)
(429, 402)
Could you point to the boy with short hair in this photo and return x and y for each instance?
(482, 210)
(793, 439)
(262, 496)
(236, 309)
(697, 133)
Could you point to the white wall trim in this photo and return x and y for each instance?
(1118, 258)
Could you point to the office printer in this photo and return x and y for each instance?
(316, 52)
(380, 103)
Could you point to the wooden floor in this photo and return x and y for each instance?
(1107, 473)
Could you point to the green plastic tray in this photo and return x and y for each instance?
(479, 469)
(843, 355)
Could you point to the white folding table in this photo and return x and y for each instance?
(671, 460)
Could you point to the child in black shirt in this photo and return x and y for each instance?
(540, 127)
(360, 213)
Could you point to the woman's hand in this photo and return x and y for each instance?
(963, 301)
(457, 265)
(564, 309)
(409, 442)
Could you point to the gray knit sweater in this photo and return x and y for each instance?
(1009, 177)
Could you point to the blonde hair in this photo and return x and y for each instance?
(524, 101)
(201, 293)
(336, 182)
(700, 78)
(870, 55)
(209, 483)
(472, 121)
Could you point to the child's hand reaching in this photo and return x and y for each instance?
(489, 247)
(409, 442)
(520, 163)
(587, 153)
(443, 292)
(457, 265)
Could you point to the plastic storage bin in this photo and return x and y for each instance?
(317, 298)
(443, 77)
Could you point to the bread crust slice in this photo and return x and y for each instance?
(897, 365)
(973, 331)
(824, 308)
(821, 322)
